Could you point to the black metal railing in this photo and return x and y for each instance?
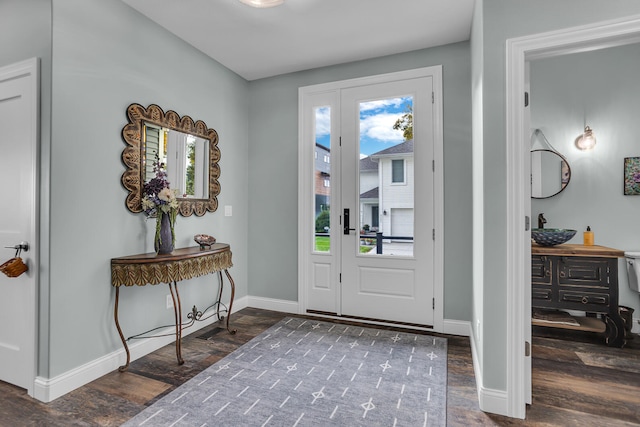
(379, 237)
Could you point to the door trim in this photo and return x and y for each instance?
(31, 68)
(305, 182)
(519, 51)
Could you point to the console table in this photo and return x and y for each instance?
(181, 264)
(581, 278)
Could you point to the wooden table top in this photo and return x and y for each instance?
(181, 264)
(177, 254)
(568, 249)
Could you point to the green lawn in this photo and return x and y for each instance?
(323, 245)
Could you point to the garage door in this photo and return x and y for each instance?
(402, 222)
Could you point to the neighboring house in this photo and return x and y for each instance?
(322, 178)
(388, 206)
(369, 211)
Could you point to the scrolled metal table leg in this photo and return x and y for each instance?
(177, 310)
(233, 294)
(221, 283)
(124, 342)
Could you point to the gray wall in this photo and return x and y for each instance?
(602, 88)
(106, 56)
(501, 20)
(273, 170)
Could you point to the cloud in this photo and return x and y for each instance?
(323, 121)
(382, 104)
(380, 127)
(376, 121)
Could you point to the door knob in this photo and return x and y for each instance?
(23, 246)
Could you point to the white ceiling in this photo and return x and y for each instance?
(306, 34)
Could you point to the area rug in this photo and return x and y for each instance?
(303, 372)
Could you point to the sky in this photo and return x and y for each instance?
(376, 124)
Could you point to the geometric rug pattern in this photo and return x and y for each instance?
(303, 372)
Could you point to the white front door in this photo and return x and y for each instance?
(18, 171)
(388, 268)
(392, 280)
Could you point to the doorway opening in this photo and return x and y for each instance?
(520, 52)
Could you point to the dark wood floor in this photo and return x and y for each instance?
(577, 381)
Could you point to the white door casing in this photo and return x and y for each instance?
(519, 51)
(319, 273)
(19, 119)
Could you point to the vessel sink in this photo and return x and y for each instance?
(551, 236)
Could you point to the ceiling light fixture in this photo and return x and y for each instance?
(262, 3)
(587, 140)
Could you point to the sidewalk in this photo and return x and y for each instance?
(394, 248)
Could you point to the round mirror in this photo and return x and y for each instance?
(550, 173)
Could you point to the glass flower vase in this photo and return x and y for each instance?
(163, 242)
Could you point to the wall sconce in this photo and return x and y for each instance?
(384, 212)
(262, 3)
(587, 140)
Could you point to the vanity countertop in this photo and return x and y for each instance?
(568, 249)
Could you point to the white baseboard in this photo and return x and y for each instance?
(490, 400)
(284, 306)
(451, 327)
(49, 389)
(457, 327)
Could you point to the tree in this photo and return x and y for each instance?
(322, 221)
(405, 123)
(191, 153)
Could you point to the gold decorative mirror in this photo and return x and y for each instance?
(189, 151)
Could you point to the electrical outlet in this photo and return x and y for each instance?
(169, 301)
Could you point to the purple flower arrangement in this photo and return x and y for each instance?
(158, 199)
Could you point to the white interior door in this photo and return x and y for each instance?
(392, 280)
(18, 171)
(527, 261)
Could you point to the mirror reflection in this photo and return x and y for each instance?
(550, 173)
(189, 151)
(184, 156)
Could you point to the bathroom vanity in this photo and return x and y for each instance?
(578, 278)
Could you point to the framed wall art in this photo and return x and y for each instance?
(632, 176)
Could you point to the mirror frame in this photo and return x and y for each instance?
(132, 156)
(563, 185)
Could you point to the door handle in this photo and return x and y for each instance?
(22, 246)
(346, 228)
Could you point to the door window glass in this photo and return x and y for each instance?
(322, 179)
(386, 220)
